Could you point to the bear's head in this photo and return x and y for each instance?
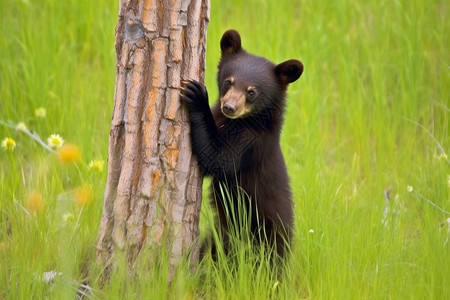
(249, 84)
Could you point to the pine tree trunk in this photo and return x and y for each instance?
(153, 190)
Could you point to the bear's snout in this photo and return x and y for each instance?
(228, 109)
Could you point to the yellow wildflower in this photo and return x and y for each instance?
(409, 188)
(35, 202)
(40, 112)
(96, 165)
(55, 141)
(69, 153)
(8, 143)
(83, 195)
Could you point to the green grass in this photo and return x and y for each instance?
(372, 69)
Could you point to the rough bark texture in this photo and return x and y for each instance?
(153, 190)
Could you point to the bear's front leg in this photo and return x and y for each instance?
(196, 96)
(212, 154)
(203, 127)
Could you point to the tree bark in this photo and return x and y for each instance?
(153, 190)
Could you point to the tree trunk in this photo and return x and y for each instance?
(153, 190)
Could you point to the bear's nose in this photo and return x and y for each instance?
(228, 109)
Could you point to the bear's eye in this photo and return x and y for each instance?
(227, 83)
(251, 93)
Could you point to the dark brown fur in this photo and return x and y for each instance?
(241, 150)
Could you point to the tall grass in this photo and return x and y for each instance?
(373, 72)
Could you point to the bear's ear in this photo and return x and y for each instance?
(289, 71)
(230, 42)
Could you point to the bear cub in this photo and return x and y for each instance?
(237, 141)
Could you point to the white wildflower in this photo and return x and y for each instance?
(50, 276)
(21, 126)
(55, 141)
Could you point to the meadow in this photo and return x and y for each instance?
(366, 139)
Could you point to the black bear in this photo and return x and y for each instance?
(237, 141)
